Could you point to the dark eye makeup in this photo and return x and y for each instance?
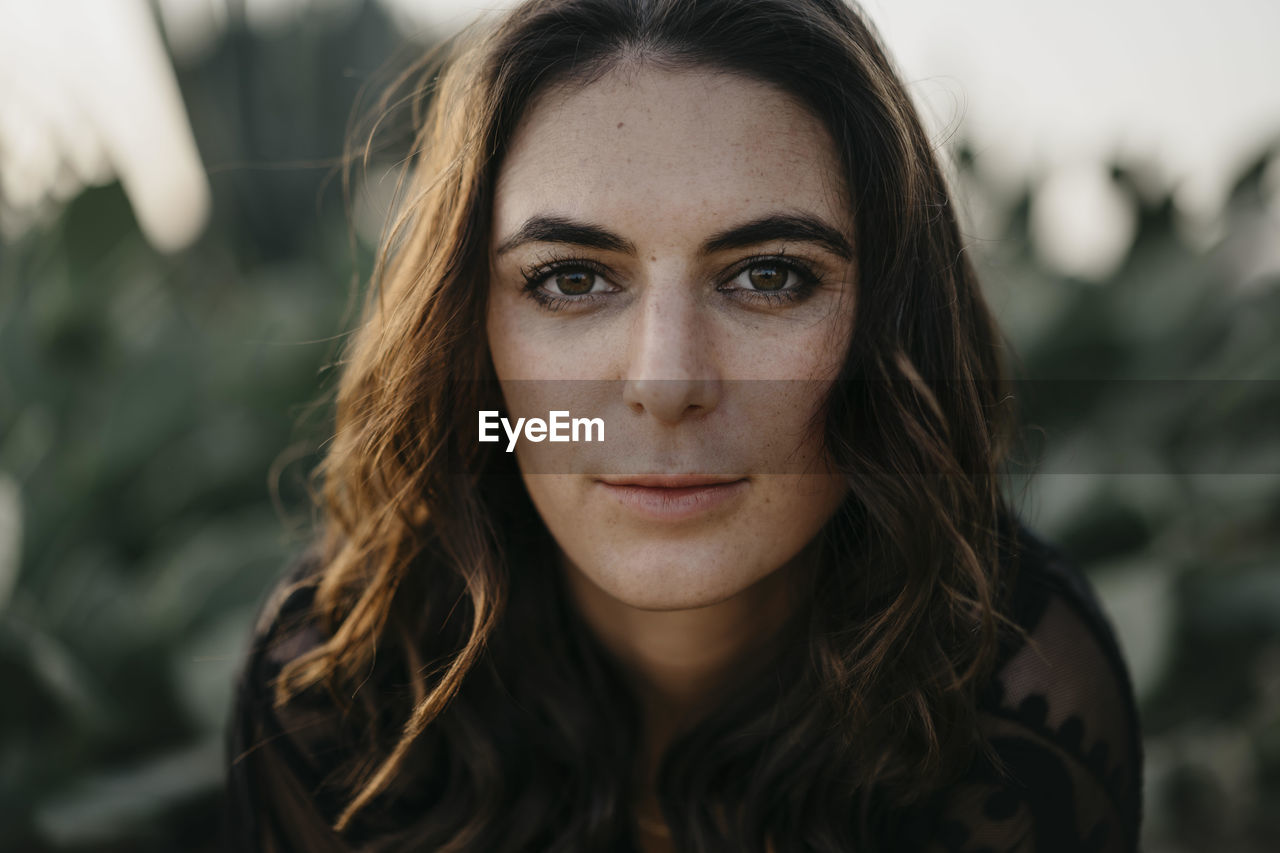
(798, 281)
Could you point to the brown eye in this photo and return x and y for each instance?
(575, 282)
(768, 276)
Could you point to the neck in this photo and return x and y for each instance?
(681, 661)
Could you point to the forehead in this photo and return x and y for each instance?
(663, 152)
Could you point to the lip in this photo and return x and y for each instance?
(674, 497)
(670, 481)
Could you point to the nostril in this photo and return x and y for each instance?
(670, 400)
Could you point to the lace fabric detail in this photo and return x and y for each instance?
(1061, 717)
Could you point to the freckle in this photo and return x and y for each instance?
(621, 123)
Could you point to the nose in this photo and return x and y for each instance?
(672, 371)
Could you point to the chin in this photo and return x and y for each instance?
(671, 575)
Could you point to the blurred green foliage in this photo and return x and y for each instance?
(1151, 453)
(156, 431)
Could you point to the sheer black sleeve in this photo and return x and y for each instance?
(278, 762)
(1061, 716)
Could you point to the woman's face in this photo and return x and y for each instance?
(673, 254)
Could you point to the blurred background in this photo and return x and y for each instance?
(177, 258)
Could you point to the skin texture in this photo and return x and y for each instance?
(658, 337)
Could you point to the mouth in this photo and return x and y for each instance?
(674, 497)
(670, 481)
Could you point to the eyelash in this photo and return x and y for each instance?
(535, 276)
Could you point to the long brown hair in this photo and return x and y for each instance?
(436, 575)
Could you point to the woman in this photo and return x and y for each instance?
(774, 602)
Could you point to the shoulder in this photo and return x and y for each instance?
(286, 627)
(281, 760)
(1061, 718)
(1067, 654)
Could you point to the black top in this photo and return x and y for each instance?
(1059, 712)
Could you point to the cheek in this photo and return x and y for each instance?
(501, 330)
(808, 343)
(549, 495)
(777, 426)
(804, 503)
(529, 342)
(559, 500)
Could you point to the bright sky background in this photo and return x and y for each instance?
(1191, 86)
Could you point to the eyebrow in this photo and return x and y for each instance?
(560, 229)
(796, 227)
(792, 226)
